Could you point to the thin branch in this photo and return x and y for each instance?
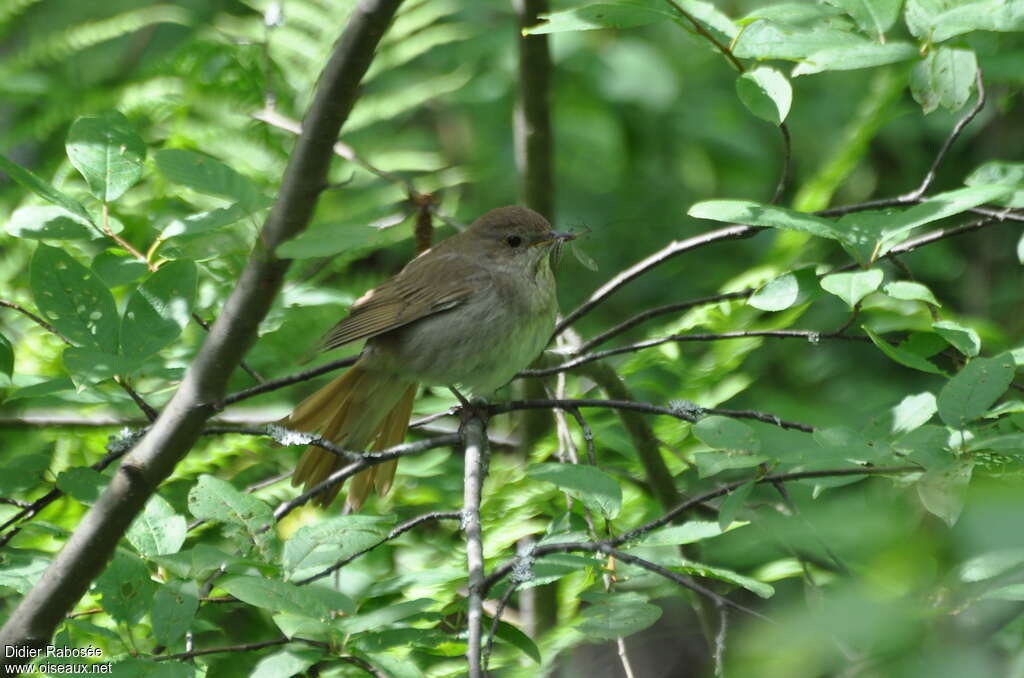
(673, 249)
(244, 365)
(787, 151)
(807, 335)
(244, 647)
(36, 319)
(394, 533)
(128, 247)
(951, 139)
(474, 440)
(502, 604)
(689, 415)
(275, 384)
(720, 639)
(655, 312)
(365, 461)
(153, 459)
(703, 32)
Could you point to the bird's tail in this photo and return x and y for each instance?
(361, 409)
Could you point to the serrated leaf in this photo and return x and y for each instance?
(159, 309)
(49, 222)
(73, 299)
(107, 152)
(901, 355)
(593, 487)
(42, 188)
(945, 77)
(910, 291)
(158, 530)
(853, 286)
(963, 338)
(913, 412)
(974, 389)
(723, 433)
(174, 607)
(766, 93)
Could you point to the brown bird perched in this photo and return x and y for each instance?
(469, 312)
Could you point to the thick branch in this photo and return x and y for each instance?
(87, 551)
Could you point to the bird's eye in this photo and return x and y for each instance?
(514, 241)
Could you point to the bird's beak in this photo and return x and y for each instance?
(554, 237)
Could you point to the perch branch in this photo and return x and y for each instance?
(474, 441)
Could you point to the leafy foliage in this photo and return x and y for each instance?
(143, 144)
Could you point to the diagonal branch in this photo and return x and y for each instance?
(181, 422)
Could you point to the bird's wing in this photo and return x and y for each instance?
(406, 298)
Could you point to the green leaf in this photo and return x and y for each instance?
(174, 607)
(1003, 173)
(851, 57)
(22, 472)
(203, 222)
(944, 78)
(723, 433)
(118, 269)
(913, 412)
(159, 309)
(939, 20)
(213, 499)
(991, 564)
(87, 365)
(617, 617)
(974, 389)
(321, 544)
(766, 93)
(208, 175)
(49, 222)
(688, 533)
(758, 214)
(910, 291)
(22, 569)
(287, 662)
(733, 503)
(73, 299)
(854, 286)
(598, 15)
(279, 596)
(901, 355)
(773, 40)
(872, 16)
(327, 239)
(593, 487)
(82, 483)
(384, 616)
(6, 356)
(756, 587)
(516, 638)
(125, 588)
(1010, 443)
(788, 290)
(943, 491)
(42, 188)
(963, 338)
(158, 530)
(107, 152)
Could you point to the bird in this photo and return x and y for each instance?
(468, 313)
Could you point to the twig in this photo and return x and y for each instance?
(105, 227)
(654, 312)
(275, 384)
(720, 638)
(787, 151)
(807, 335)
(36, 319)
(673, 249)
(703, 32)
(474, 440)
(244, 365)
(365, 461)
(88, 550)
(502, 604)
(244, 647)
(395, 532)
(646, 408)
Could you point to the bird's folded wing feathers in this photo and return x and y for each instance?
(402, 300)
